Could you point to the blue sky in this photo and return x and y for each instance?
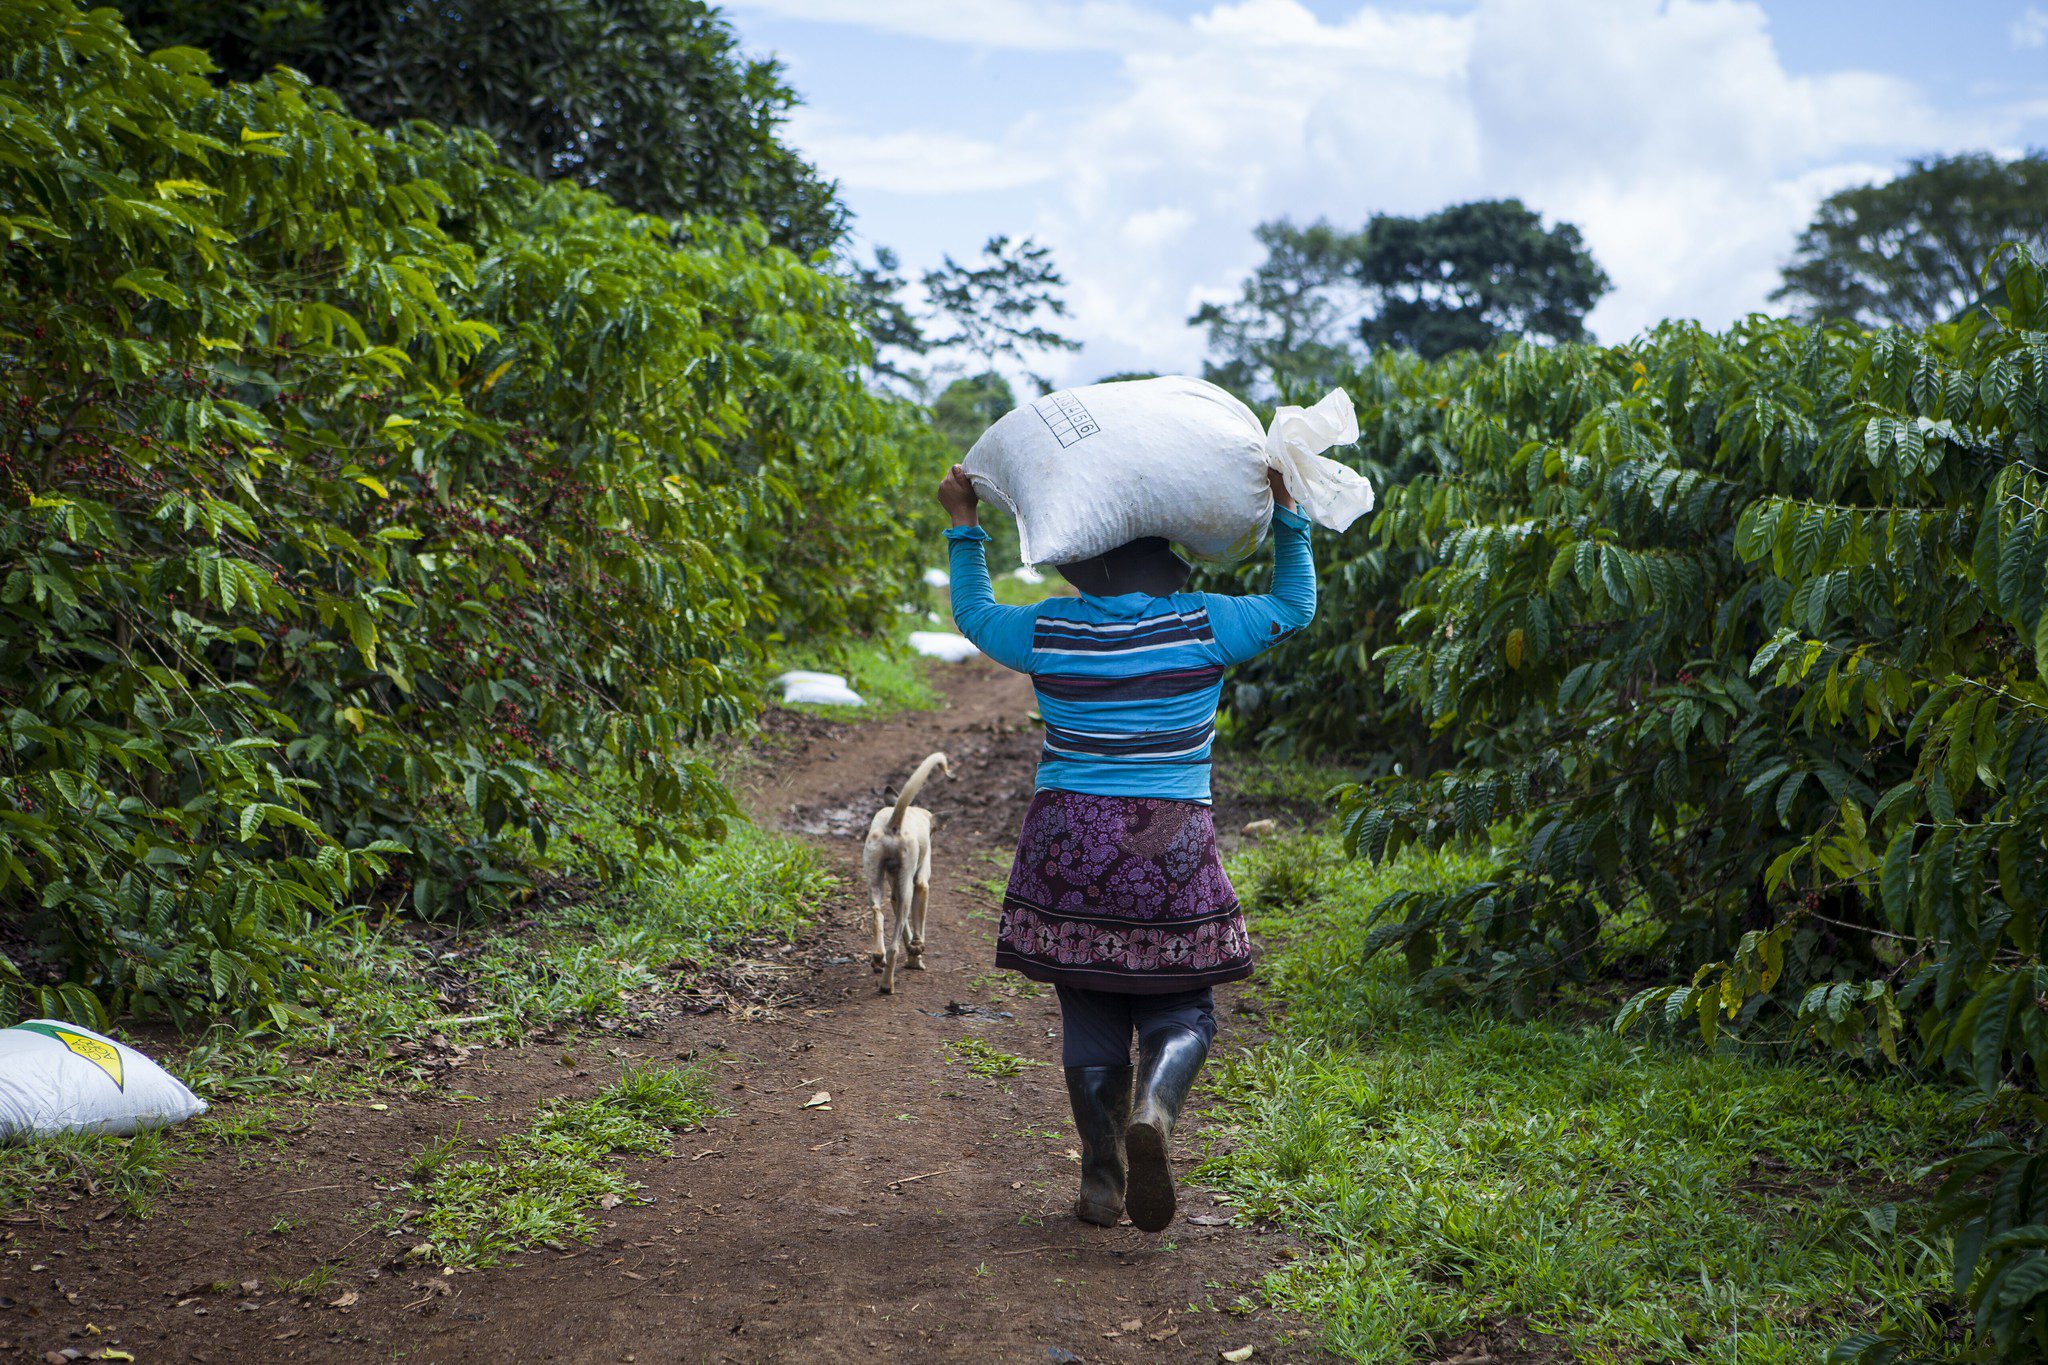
(1143, 139)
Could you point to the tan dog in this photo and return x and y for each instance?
(898, 863)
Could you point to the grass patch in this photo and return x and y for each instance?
(1293, 783)
(642, 926)
(1635, 1200)
(542, 1185)
(132, 1170)
(579, 960)
(978, 1056)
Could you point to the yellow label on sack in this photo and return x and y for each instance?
(105, 1056)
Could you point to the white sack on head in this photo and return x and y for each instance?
(943, 645)
(1086, 470)
(60, 1078)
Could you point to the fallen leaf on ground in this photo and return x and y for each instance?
(1210, 1220)
(1133, 1325)
(1241, 1353)
(610, 1201)
(819, 1100)
(346, 1300)
(1162, 1334)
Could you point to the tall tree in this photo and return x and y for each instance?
(1290, 328)
(893, 330)
(650, 101)
(1914, 250)
(1463, 278)
(1003, 304)
(967, 406)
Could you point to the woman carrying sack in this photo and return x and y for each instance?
(1117, 896)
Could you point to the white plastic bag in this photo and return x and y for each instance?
(60, 1078)
(801, 687)
(1328, 493)
(1086, 470)
(943, 645)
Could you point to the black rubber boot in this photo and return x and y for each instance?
(1101, 1096)
(1166, 1069)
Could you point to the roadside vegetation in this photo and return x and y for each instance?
(1744, 636)
(396, 998)
(1548, 1180)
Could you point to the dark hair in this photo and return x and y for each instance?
(1147, 565)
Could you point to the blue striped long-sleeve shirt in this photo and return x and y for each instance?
(1128, 685)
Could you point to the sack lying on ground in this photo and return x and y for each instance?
(1086, 470)
(942, 645)
(803, 688)
(60, 1078)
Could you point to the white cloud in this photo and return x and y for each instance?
(2030, 28)
(1047, 26)
(914, 162)
(1669, 131)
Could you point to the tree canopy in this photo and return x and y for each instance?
(1002, 305)
(1461, 279)
(1471, 275)
(650, 101)
(1914, 251)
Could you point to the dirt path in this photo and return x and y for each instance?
(923, 1213)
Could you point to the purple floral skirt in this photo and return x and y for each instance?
(1121, 893)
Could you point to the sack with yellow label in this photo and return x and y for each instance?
(60, 1078)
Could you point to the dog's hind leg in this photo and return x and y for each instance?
(875, 866)
(920, 897)
(900, 894)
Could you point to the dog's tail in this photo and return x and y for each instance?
(914, 786)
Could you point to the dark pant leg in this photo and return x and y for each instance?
(1191, 1010)
(1095, 1027)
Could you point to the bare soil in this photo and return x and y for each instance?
(923, 1212)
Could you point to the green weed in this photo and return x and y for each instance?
(1005, 984)
(984, 1060)
(312, 1282)
(540, 1185)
